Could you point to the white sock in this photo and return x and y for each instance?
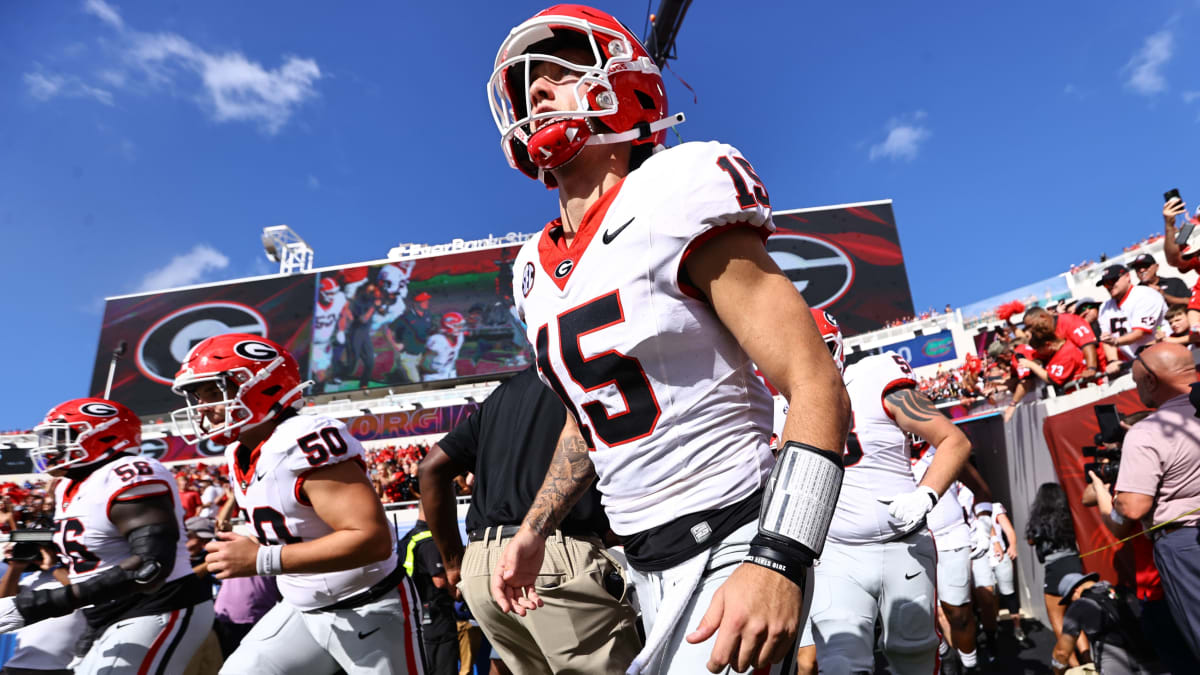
(968, 659)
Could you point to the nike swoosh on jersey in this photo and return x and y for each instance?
(363, 636)
(912, 576)
(259, 476)
(608, 236)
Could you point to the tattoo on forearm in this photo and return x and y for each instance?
(913, 405)
(570, 474)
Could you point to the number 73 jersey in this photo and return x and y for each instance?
(662, 390)
(271, 491)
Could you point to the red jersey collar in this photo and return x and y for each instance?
(1121, 302)
(559, 258)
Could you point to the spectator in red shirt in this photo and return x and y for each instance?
(189, 497)
(1072, 329)
(1064, 361)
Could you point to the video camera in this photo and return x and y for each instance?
(27, 544)
(1107, 451)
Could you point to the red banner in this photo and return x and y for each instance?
(1066, 434)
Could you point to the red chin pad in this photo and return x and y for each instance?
(558, 142)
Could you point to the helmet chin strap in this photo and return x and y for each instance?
(636, 133)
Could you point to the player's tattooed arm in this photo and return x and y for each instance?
(570, 475)
(915, 413)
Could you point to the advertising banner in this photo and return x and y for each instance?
(365, 428)
(847, 261)
(925, 350)
(158, 329)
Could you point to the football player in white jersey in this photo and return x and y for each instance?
(321, 529)
(648, 302)
(952, 536)
(329, 326)
(441, 349)
(119, 525)
(879, 559)
(1130, 317)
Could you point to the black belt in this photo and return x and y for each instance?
(506, 531)
(381, 588)
(1171, 527)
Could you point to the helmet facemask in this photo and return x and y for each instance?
(192, 421)
(60, 443)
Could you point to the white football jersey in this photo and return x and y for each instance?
(666, 395)
(444, 350)
(270, 493)
(1142, 309)
(325, 319)
(83, 532)
(950, 530)
(877, 453)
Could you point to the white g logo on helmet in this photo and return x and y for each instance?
(255, 351)
(98, 409)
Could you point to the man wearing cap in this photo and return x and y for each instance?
(1129, 318)
(1159, 478)
(1173, 289)
(408, 335)
(1115, 641)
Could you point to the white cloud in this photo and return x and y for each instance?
(44, 87)
(105, 12)
(904, 139)
(186, 268)
(313, 183)
(228, 85)
(1144, 68)
(1189, 96)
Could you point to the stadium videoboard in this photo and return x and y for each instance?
(847, 261)
(368, 325)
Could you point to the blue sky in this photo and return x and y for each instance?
(146, 144)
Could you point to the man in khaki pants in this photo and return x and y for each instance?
(587, 624)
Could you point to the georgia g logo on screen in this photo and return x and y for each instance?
(164, 346)
(819, 269)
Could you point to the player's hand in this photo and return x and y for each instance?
(910, 507)
(340, 338)
(231, 555)
(10, 616)
(755, 614)
(516, 572)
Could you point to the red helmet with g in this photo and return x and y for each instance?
(619, 93)
(253, 380)
(832, 336)
(85, 431)
(453, 323)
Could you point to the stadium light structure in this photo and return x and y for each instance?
(285, 247)
(664, 28)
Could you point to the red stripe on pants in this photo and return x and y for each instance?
(158, 643)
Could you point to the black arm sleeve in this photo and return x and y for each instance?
(153, 558)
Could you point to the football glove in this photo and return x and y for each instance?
(910, 507)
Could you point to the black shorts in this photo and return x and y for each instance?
(1055, 571)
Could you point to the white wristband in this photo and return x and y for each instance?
(982, 507)
(270, 560)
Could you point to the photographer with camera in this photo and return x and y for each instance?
(1114, 640)
(46, 647)
(1159, 478)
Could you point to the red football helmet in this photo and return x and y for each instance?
(85, 431)
(453, 323)
(832, 336)
(258, 380)
(621, 88)
(329, 287)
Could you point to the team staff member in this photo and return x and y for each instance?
(1159, 479)
(362, 309)
(509, 443)
(409, 334)
(439, 629)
